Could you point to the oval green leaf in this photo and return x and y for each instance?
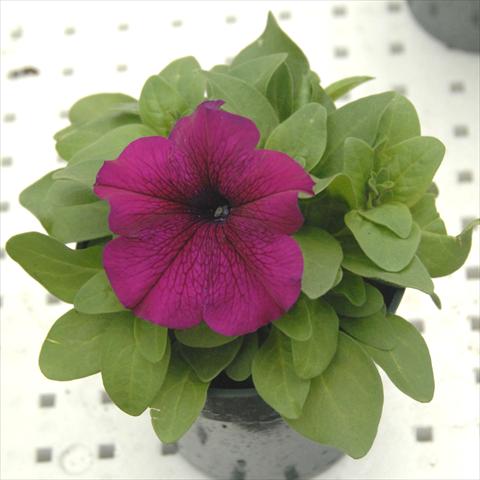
(352, 287)
(344, 405)
(72, 348)
(202, 336)
(343, 86)
(312, 357)
(179, 401)
(408, 365)
(151, 339)
(322, 256)
(241, 367)
(297, 322)
(394, 216)
(275, 378)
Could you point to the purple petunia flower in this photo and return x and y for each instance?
(204, 220)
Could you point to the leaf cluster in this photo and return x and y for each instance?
(371, 226)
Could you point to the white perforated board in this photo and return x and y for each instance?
(64, 430)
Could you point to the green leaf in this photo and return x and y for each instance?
(414, 275)
(426, 216)
(86, 164)
(408, 365)
(81, 136)
(381, 245)
(373, 330)
(275, 40)
(341, 87)
(185, 76)
(179, 401)
(318, 94)
(241, 367)
(275, 378)
(258, 71)
(373, 303)
(394, 216)
(209, 362)
(303, 135)
(444, 254)
(78, 223)
(69, 193)
(322, 256)
(201, 336)
(358, 165)
(352, 287)
(59, 269)
(72, 348)
(280, 92)
(297, 323)
(34, 199)
(96, 296)
(399, 122)
(243, 99)
(95, 106)
(358, 119)
(411, 166)
(130, 380)
(161, 105)
(151, 339)
(325, 212)
(111, 145)
(312, 357)
(344, 405)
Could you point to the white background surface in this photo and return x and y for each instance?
(340, 39)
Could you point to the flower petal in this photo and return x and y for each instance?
(279, 212)
(256, 278)
(268, 172)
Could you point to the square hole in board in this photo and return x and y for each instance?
(424, 434)
(474, 322)
(4, 206)
(169, 448)
(419, 324)
(465, 176)
(340, 52)
(396, 48)
(394, 7)
(473, 273)
(43, 454)
(6, 161)
(285, 15)
(106, 450)
(476, 373)
(460, 131)
(457, 87)
(339, 11)
(46, 400)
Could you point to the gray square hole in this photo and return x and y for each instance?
(6, 161)
(339, 11)
(394, 7)
(474, 322)
(424, 434)
(2, 253)
(473, 273)
(285, 15)
(4, 206)
(340, 52)
(476, 373)
(467, 221)
(401, 89)
(122, 68)
(106, 451)
(43, 454)
(9, 117)
(230, 19)
(177, 23)
(464, 176)
(460, 130)
(169, 448)
(457, 87)
(69, 31)
(419, 324)
(51, 300)
(46, 400)
(396, 48)
(123, 27)
(104, 398)
(67, 72)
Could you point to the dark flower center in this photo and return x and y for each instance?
(211, 206)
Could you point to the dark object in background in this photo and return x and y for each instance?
(455, 22)
(23, 72)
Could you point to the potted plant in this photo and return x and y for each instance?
(241, 248)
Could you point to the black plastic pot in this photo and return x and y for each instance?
(455, 22)
(239, 437)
